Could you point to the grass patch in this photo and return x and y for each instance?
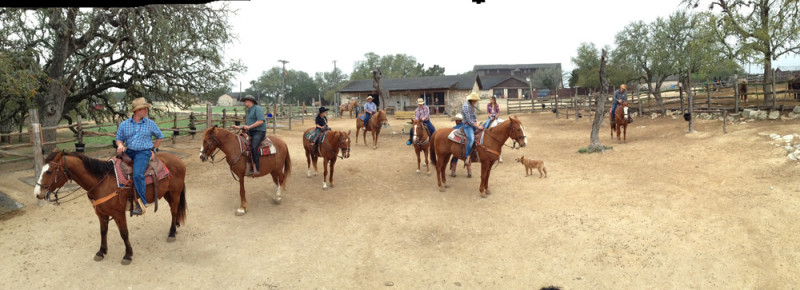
(586, 149)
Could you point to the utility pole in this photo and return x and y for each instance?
(279, 98)
(336, 100)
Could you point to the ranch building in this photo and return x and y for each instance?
(446, 94)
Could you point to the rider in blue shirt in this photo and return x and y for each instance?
(134, 137)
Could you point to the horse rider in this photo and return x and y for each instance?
(256, 127)
(321, 126)
(454, 159)
(422, 113)
(492, 108)
(137, 132)
(620, 96)
(369, 109)
(470, 123)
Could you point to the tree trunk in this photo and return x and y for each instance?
(768, 75)
(51, 103)
(657, 95)
(600, 100)
(690, 100)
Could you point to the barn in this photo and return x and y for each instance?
(505, 87)
(230, 99)
(445, 93)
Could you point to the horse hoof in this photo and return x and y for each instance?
(240, 212)
(98, 258)
(417, 171)
(276, 201)
(453, 174)
(446, 186)
(331, 185)
(126, 262)
(488, 192)
(441, 189)
(428, 173)
(170, 239)
(374, 147)
(483, 195)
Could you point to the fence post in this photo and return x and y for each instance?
(274, 118)
(80, 129)
(290, 116)
(302, 113)
(208, 115)
(575, 101)
(508, 110)
(774, 98)
(556, 106)
(725, 121)
(639, 100)
(191, 124)
(224, 118)
(708, 93)
(736, 93)
(174, 127)
(36, 137)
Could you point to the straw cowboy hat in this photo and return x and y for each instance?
(622, 86)
(473, 97)
(369, 97)
(420, 101)
(139, 103)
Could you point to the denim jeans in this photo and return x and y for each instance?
(613, 109)
(470, 131)
(255, 140)
(140, 161)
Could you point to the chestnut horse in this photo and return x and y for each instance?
(375, 123)
(422, 142)
(278, 164)
(347, 107)
(329, 149)
(620, 122)
(489, 152)
(98, 179)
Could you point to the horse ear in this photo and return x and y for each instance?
(55, 149)
(348, 132)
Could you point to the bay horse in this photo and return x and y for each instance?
(347, 107)
(421, 142)
(489, 152)
(374, 126)
(278, 164)
(620, 122)
(97, 177)
(329, 150)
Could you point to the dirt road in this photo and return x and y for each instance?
(666, 210)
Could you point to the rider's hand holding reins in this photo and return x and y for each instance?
(120, 148)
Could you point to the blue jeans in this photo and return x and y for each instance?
(140, 161)
(427, 123)
(255, 140)
(367, 116)
(488, 121)
(470, 131)
(613, 109)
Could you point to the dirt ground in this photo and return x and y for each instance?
(666, 210)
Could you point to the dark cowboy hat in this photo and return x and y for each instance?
(250, 98)
(323, 109)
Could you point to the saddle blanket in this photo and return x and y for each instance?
(458, 136)
(265, 149)
(123, 171)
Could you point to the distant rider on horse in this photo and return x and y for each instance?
(620, 96)
(369, 109)
(257, 129)
(422, 113)
(470, 123)
(492, 109)
(321, 126)
(137, 132)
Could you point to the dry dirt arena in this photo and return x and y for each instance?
(667, 210)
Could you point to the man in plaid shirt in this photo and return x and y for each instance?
(136, 132)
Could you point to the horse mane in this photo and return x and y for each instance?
(97, 168)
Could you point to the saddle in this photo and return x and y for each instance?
(460, 137)
(266, 147)
(123, 168)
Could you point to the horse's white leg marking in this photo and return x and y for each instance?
(415, 133)
(324, 185)
(201, 151)
(38, 189)
(308, 174)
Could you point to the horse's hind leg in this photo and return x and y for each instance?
(308, 163)
(243, 208)
(277, 177)
(418, 161)
(173, 207)
(122, 225)
(103, 238)
(625, 134)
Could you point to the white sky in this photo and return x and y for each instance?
(455, 34)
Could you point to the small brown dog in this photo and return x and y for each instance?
(530, 164)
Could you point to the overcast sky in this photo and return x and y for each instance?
(455, 34)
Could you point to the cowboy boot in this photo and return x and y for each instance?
(138, 210)
(469, 170)
(452, 169)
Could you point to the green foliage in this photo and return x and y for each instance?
(546, 78)
(587, 64)
(329, 83)
(20, 80)
(393, 66)
(299, 86)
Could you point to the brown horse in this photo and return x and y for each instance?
(620, 121)
(98, 179)
(421, 142)
(375, 123)
(278, 164)
(329, 149)
(489, 152)
(347, 107)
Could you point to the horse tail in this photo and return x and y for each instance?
(287, 168)
(182, 207)
(432, 148)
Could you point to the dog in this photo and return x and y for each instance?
(530, 164)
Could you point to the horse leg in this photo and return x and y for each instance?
(416, 150)
(314, 159)
(365, 136)
(440, 171)
(625, 133)
(308, 163)
(325, 174)
(427, 164)
(489, 173)
(243, 207)
(277, 176)
(444, 165)
(619, 128)
(482, 187)
(374, 140)
(173, 199)
(103, 238)
(122, 225)
(331, 164)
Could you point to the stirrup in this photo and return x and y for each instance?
(138, 208)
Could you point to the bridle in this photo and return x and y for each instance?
(336, 153)
(510, 134)
(216, 148)
(68, 176)
(424, 127)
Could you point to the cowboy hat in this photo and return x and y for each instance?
(622, 86)
(323, 109)
(249, 98)
(420, 101)
(473, 97)
(139, 103)
(369, 97)
(459, 116)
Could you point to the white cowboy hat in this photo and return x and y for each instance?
(139, 103)
(473, 96)
(420, 101)
(369, 97)
(459, 116)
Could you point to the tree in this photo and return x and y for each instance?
(641, 45)
(330, 82)
(587, 64)
(163, 52)
(214, 94)
(768, 28)
(546, 78)
(20, 78)
(393, 66)
(600, 100)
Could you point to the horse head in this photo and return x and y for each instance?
(344, 143)
(420, 131)
(53, 175)
(210, 143)
(517, 131)
(381, 117)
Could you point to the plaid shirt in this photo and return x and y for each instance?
(492, 110)
(138, 136)
(468, 115)
(422, 113)
(369, 106)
